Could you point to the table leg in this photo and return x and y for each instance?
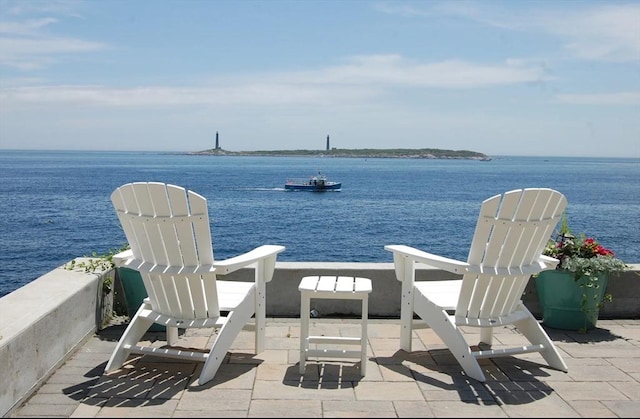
(365, 339)
(305, 307)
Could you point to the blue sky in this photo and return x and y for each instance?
(547, 78)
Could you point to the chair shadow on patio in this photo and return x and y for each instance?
(147, 380)
(151, 382)
(325, 374)
(510, 380)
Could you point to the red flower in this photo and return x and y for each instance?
(603, 251)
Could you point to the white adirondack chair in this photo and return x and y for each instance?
(169, 235)
(511, 233)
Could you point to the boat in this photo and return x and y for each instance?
(315, 183)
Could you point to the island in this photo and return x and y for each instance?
(404, 153)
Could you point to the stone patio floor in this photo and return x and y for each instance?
(603, 378)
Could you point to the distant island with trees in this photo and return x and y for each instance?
(404, 153)
(396, 153)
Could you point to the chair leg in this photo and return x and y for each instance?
(260, 316)
(236, 320)
(533, 331)
(441, 323)
(486, 335)
(138, 326)
(406, 316)
(172, 335)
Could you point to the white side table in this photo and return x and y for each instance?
(333, 287)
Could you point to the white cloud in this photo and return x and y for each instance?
(29, 27)
(605, 33)
(394, 70)
(24, 45)
(155, 96)
(361, 79)
(29, 54)
(599, 32)
(57, 7)
(621, 98)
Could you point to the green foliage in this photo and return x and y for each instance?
(588, 267)
(98, 263)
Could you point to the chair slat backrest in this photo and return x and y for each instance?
(168, 230)
(511, 234)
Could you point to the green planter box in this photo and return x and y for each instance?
(135, 293)
(561, 300)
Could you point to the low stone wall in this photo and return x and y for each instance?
(283, 297)
(44, 322)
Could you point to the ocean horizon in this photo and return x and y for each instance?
(56, 204)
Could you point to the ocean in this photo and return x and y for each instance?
(56, 205)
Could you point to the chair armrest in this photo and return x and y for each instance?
(246, 259)
(440, 262)
(126, 259)
(548, 261)
(119, 259)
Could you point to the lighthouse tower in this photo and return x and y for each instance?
(217, 141)
(327, 143)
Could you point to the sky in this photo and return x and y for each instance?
(519, 78)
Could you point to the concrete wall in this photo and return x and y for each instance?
(42, 323)
(283, 298)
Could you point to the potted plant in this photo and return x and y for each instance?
(571, 295)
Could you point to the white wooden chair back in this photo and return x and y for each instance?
(168, 230)
(511, 233)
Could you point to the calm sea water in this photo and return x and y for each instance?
(55, 206)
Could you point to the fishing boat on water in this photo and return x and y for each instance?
(315, 183)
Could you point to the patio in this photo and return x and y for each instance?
(603, 378)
